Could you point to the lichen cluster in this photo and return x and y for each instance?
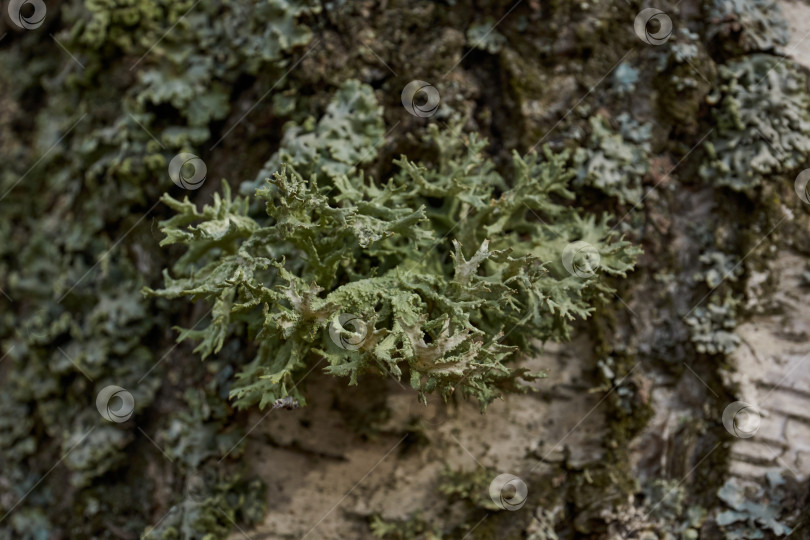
(615, 161)
(762, 123)
(752, 510)
(450, 271)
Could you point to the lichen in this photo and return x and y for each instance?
(762, 117)
(747, 25)
(718, 267)
(615, 161)
(752, 509)
(210, 508)
(469, 485)
(663, 514)
(446, 273)
(484, 36)
(345, 138)
(712, 326)
(624, 79)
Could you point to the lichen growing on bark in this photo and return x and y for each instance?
(761, 110)
(95, 104)
(446, 272)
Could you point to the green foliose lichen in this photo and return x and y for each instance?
(441, 273)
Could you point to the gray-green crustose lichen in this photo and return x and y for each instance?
(142, 81)
(345, 137)
(663, 514)
(469, 485)
(712, 326)
(615, 161)
(747, 25)
(762, 116)
(483, 36)
(752, 510)
(450, 272)
(624, 79)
